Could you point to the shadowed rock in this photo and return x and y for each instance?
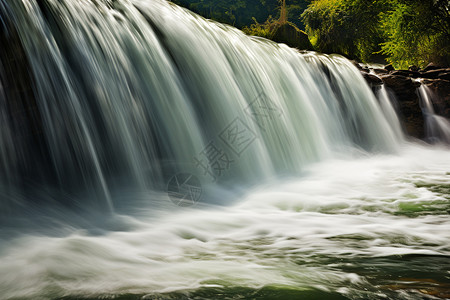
(441, 90)
(405, 89)
(372, 79)
(292, 36)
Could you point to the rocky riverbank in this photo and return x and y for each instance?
(405, 83)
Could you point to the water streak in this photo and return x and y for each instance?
(437, 128)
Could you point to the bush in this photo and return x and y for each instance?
(347, 27)
(265, 29)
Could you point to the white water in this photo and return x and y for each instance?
(294, 234)
(131, 92)
(437, 128)
(386, 102)
(136, 90)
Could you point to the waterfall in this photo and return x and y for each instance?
(437, 128)
(112, 112)
(131, 92)
(387, 102)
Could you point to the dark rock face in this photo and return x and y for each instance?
(404, 87)
(413, 68)
(444, 76)
(410, 113)
(389, 68)
(292, 36)
(441, 91)
(431, 66)
(434, 74)
(404, 84)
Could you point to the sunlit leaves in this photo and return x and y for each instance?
(408, 32)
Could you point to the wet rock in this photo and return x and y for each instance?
(389, 67)
(413, 74)
(401, 73)
(381, 71)
(356, 64)
(431, 66)
(441, 100)
(413, 68)
(372, 79)
(444, 76)
(410, 113)
(404, 85)
(433, 74)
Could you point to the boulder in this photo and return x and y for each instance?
(372, 79)
(404, 87)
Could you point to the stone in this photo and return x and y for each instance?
(372, 79)
(444, 76)
(389, 67)
(431, 66)
(402, 85)
(402, 73)
(381, 71)
(432, 74)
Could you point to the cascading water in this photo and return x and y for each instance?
(104, 103)
(150, 96)
(387, 103)
(437, 128)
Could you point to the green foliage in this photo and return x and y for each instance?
(408, 32)
(348, 27)
(416, 33)
(265, 29)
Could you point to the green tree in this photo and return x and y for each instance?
(241, 13)
(348, 27)
(417, 32)
(407, 32)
